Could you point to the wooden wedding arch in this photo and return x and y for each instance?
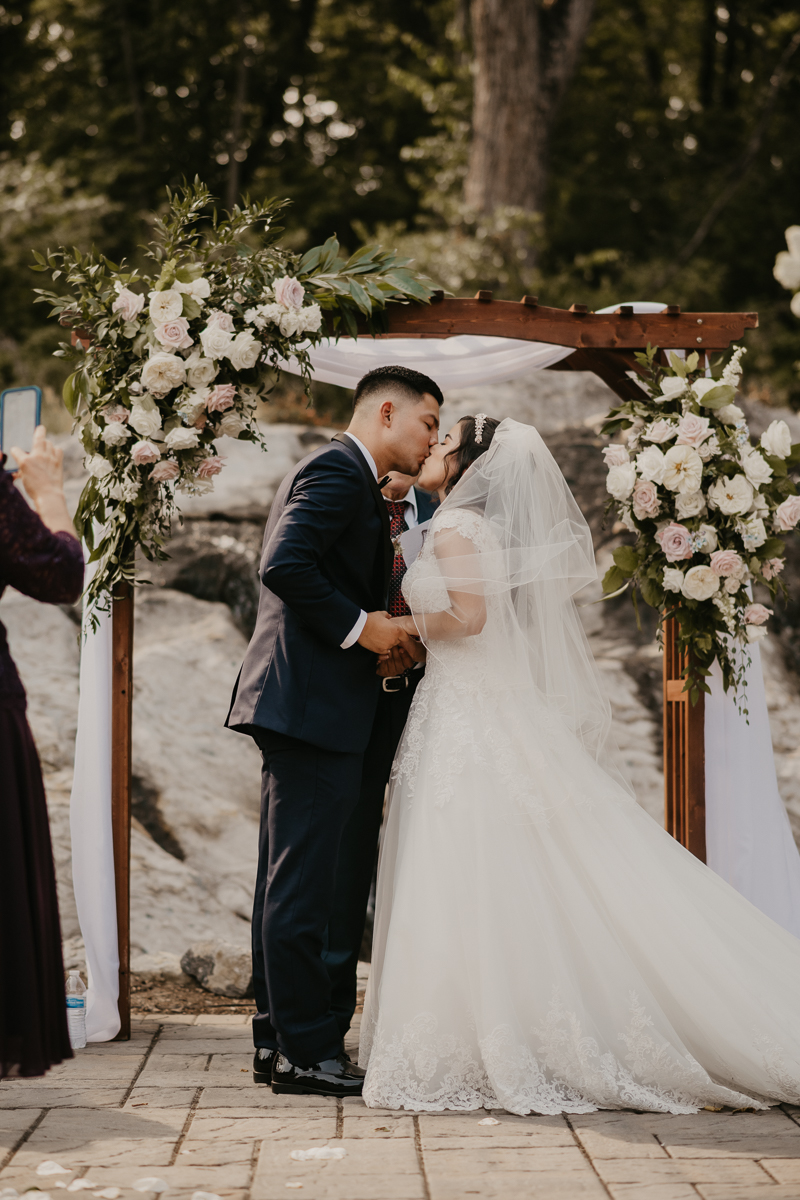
(603, 343)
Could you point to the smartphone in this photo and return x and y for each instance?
(20, 413)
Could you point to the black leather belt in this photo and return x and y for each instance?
(394, 683)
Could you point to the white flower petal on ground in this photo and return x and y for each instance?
(777, 440)
(489, 1121)
(150, 1183)
(109, 1193)
(683, 469)
(318, 1152)
(81, 1185)
(700, 583)
(205, 1196)
(48, 1167)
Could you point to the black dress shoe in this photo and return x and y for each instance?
(332, 1077)
(262, 1065)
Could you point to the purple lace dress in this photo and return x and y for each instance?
(33, 1026)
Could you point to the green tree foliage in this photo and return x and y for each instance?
(358, 111)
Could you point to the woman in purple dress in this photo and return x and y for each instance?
(41, 557)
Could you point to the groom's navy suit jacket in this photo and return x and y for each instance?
(326, 556)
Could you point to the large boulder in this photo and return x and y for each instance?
(220, 967)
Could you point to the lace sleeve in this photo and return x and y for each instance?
(47, 566)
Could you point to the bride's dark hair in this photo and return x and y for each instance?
(468, 448)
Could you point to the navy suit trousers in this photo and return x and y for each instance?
(307, 796)
(358, 850)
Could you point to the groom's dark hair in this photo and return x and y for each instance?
(401, 379)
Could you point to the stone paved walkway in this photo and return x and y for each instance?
(178, 1103)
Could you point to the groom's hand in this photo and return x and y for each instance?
(380, 634)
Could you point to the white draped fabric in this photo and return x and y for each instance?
(747, 831)
(90, 827)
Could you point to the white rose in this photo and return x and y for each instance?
(787, 270)
(620, 480)
(753, 532)
(163, 372)
(244, 351)
(660, 431)
(756, 632)
(292, 322)
(115, 433)
(777, 440)
(200, 372)
(215, 340)
(231, 425)
(710, 448)
(689, 504)
(794, 304)
(731, 496)
(701, 386)
(671, 387)
(700, 583)
(756, 468)
(145, 417)
(732, 584)
(312, 318)
(673, 579)
(730, 414)
(97, 466)
(683, 469)
(198, 289)
(705, 540)
(165, 306)
(128, 303)
(650, 464)
(182, 438)
(194, 404)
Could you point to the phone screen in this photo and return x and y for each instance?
(19, 415)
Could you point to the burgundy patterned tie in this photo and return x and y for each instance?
(397, 525)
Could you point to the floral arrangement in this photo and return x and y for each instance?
(710, 510)
(168, 363)
(787, 267)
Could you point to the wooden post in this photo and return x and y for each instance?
(684, 753)
(121, 756)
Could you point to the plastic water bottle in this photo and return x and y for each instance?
(76, 1010)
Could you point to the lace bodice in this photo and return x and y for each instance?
(47, 566)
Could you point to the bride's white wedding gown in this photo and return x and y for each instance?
(541, 944)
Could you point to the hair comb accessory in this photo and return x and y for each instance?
(480, 421)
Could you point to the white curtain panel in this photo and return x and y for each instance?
(747, 831)
(90, 828)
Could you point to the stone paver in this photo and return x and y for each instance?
(178, 1102)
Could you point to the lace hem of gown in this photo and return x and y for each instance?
(424, 1070)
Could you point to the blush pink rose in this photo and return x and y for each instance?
(615, 455)
(646, 503)
(165, 472)
(675, 540)
(175, 334)
(756, 614)
(221, 397)
(788, 514)
(117, 413)
(128, 304)
(692, 430)
(209, 467)
(772, 567)
(145, 452)
(221, 319)
(289, 292)
(726, 562)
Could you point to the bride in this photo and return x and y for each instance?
(540, 943)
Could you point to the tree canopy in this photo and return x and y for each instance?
(671, 166)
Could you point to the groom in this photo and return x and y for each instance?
(307, 694)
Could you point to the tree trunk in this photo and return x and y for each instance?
(526, 52)
(237, 115)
